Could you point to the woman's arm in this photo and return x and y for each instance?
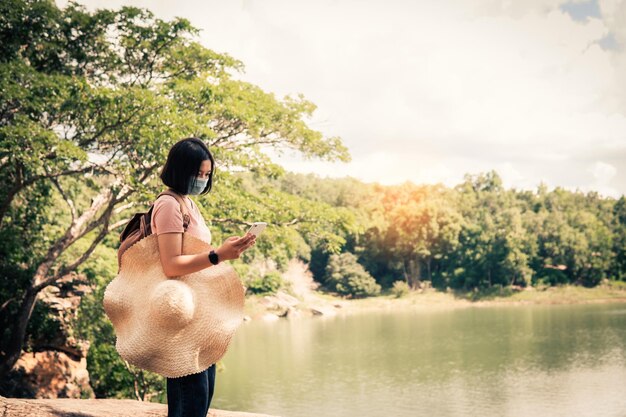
(175, 264)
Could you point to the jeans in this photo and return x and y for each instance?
(190, 395)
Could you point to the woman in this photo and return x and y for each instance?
(189, 170)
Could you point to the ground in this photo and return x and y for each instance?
(66, 407)
(307, 300)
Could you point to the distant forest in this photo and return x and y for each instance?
(475, 235)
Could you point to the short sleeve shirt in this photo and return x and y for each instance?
(167, 218)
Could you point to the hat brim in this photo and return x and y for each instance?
(173, 326)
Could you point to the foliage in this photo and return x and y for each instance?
(345, 276)
(400, 289)
(618, 225)
(270, 283)
(91, 104)
(476, 235)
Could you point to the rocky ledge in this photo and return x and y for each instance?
(70, 407)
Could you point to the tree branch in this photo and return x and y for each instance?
(243, 222)
(118, 224)
(123, 207)
(78, 229)
(117, 124)
(6, 303)
(68, 200)
(78, 261)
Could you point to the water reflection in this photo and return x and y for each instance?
(496, 361)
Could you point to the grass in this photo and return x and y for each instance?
(566, 294)
(431, 299)
(569, 294)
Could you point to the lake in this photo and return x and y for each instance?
(542, 360)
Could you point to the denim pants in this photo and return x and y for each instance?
(190, 395)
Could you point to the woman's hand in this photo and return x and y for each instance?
(234, 246)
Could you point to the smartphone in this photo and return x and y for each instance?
(257, 228)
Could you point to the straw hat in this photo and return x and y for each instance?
(173, 326)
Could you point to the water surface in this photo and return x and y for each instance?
(559, 360)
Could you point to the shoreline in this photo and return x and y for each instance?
(314, 303)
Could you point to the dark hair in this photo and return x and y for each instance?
(183, 164)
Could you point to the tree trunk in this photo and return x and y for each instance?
(14, 345)
(79, 228)
(406, 275)
(41, 279)
(414, 273)
(4, 206)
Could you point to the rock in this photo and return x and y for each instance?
(69, 407)
(63, 300)
(280, 301)
(316, 311)
(290, 313)
(321, 311)
(56, 367)
(267, 301)
(286, 299)
(269, 317)
(52, 374)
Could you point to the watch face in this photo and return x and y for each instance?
(213, 257)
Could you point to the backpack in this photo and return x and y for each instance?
(139, 225)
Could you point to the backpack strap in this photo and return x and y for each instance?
(183, 206)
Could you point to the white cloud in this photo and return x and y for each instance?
(432, 90)
(602, 173)
(614, 12)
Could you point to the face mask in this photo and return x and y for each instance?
(198, 187)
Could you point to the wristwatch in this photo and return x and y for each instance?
(213, 258)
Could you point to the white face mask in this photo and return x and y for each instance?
(198, 186)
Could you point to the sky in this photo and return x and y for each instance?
(428, 91)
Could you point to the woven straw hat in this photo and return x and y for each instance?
(173, 326)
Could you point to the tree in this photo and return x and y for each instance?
(574, 244)
(423, 228)
(619, 242)
(91, 104)
(494, 244)
(346, 276)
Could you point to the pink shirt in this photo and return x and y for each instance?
(167, 218)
